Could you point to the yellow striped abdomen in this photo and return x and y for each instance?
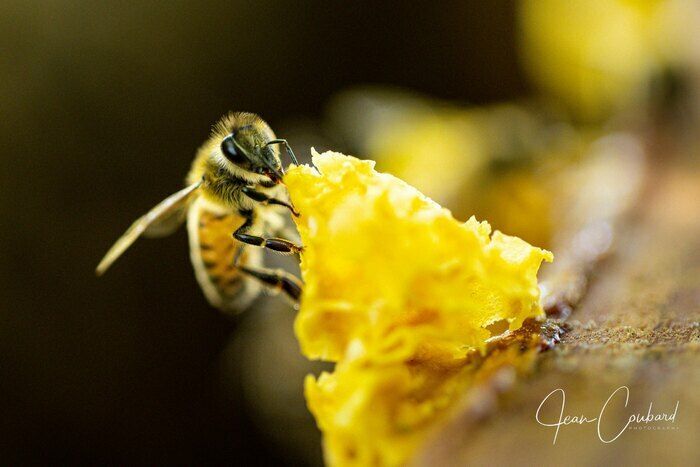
(212, 251)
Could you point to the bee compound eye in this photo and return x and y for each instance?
(231, 152)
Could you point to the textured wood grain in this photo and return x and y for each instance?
(636, 326)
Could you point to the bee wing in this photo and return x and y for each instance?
(159, 221)
(168, 222)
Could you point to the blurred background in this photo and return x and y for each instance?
(104, 104)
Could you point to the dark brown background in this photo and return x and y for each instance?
(103, 105)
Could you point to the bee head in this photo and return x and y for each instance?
(247, 149)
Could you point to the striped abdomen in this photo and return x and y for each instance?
(212, 251)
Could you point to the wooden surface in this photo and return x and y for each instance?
(637, 326)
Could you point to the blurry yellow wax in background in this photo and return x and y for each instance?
(599, 57)
(495, 162)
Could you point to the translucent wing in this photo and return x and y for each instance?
(168, 222)
(159, 221)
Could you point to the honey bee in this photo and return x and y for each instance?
(233, 201)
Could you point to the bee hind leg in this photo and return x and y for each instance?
(279, 245)
(275, 279)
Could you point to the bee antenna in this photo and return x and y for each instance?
(287, 146)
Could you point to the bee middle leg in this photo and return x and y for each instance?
(279, 245)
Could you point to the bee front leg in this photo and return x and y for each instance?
(279, 245)
(261, 197)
